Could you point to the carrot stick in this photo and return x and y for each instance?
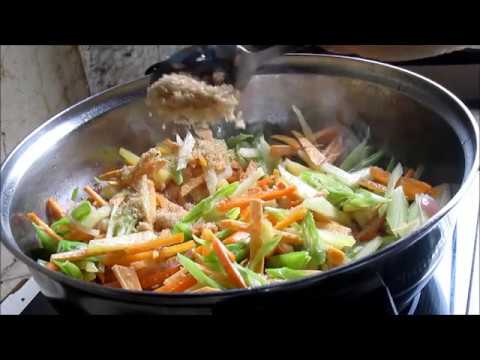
(52, 266)
(114, 259)
(54, 209)
(95, 196)
(294, 216)
(412, 186)
(156, 255)
(335, 257)
(112, 174)
(266, 182)
(236, 237)
(379, 175)
(224, 257)
(149, 278)
(181, 284)
(156, 243)
(276, 193)
(170, 251)
(226, 205)
(256, 215)
(245, 201)
(245, 214)
(39, 222)
(373, 186)
(372, 229)
(233, 225)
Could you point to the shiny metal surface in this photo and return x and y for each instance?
(410, 116)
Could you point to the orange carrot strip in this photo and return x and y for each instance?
(156, 243)
(413, 186)
(170, 251)
(379, 175)
(202, 250)
(226, 205)
(233, 225)
(182, 283)
(276, 193)
(149, 278)
(294, 216)
(157, 255)
(54, 209)
(335, 257)
(116, 259)
(256, 215)
(39, 222)
(236, 237)
(112, 174)
(224, 256)
(245, 214)
(373, 186)
(95, 196)
(372, 229)
(52, 266)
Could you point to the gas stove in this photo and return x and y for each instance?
(455, 285)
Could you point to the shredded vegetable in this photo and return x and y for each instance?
(203, 214)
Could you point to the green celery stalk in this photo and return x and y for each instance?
(297, 260)
(290, 274)
(67, 245)
(46, 241)
(196, 272)
(82, 210)
(69, 269)
(312, 240)
(251, 277)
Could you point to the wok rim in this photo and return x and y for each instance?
(8, 239)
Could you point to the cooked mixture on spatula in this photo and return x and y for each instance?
(181, 98)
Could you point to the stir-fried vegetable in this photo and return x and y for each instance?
(204, 214)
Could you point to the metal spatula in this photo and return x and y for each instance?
(217, 64)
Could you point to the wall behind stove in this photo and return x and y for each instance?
(37, 82)
(110, 65)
